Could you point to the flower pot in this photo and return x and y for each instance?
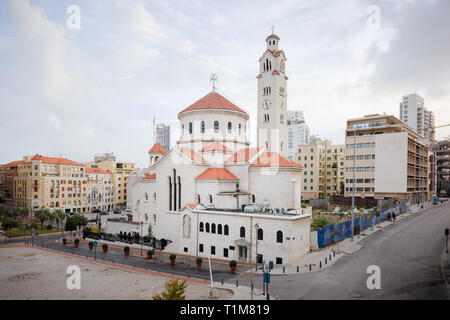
(105, 250)
(64, 241)
(233, 269)
(127, 252)
(149, 256)
(76, 244)
(91, 246)
(172, 261)
(199, 265)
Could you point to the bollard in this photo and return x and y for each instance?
(325, 260)
(297, 269)
(330, 256)
(222, 281)
(320, 264)
(284, 269)
(309, 267)
(334, 254)
(237, 284)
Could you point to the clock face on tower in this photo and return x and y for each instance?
(267, 104)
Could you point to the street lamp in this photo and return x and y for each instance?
(353, 189)
(256, 250)
(142, 223)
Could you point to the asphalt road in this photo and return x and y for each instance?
(408, 253)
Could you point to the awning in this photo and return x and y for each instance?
(242, 243)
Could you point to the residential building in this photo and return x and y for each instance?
(391, 159)
(323, 169)
(120, 171)
(298, 132)
(442, 152)
(100, 190)
(38, 181)
(414, 113)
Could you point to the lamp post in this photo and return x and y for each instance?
(142, 223)
(256, 250)
(353, 189)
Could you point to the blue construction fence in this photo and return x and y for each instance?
(338, 232)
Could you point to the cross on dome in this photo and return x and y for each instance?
(213, 79)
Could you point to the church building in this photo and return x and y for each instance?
(213, 193)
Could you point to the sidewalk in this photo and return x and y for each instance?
(327, 256)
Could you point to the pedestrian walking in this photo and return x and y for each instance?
(393, 216)
(389, 216)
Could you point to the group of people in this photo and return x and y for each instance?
(391, 216)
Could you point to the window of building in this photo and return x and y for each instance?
(229, 127)
(200, 247)
(190, 127)
(213, 250)
(279, 260)
(213, 228)
(260, 234)
(225, 252)
(202, 127)
(242, 232)
(201, 227)
(216, 126)
(185, 249)
(207, 227)
(279, 237)
(219, 229)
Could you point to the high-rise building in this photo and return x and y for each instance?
(391, 160)
(161, 134)
(323, 169)
(414, 113)
(298, 132)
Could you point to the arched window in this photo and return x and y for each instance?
(202, 127)
(210, 198)
(213, 228)
(190, 127)
(219, 229)
(229, 127)
(240, 127)
(226, 230)
(260, 234)
(198, 198)
(207, 227)
(242, 232)
(216, 126)
(253, 198)
(146, 196)
(154, 196)
(280, 237)
(201, 226)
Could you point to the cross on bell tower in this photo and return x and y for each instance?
(213, 79)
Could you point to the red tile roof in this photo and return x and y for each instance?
(12, 163)
(158, 148)
(243, 155)
(215, 146)
(273, 36)
(51, 160)
(192, 205)
(213, 100)
(216, 174)
(191, 154)
(149, 176)
(273, 159)
(96, 170)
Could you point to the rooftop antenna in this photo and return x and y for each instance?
(213, 79)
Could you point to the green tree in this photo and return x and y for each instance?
(4, 211)
(43, 214)
(150, 231)
(174, 291)
(80, 220)
(71, 225)
(319, 222)
(59, 217)
(21, 213)
(9, 223)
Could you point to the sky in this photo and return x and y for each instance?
(81, 92)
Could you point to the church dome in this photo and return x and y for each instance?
(213, 101)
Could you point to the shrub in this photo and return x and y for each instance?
(233, 263)
(174, 291)
(77, 240)
(105, 246)
(199, 260)
(9, 223)
(173, 256)
(91, 243)
(147, 239)
(49, 227)
(126, 248)
(319, 222)
(151, 252)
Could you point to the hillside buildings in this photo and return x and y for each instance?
(391, 160)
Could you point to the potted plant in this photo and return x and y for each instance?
(76, 242)
(172, 259)
(199, 262)
(91, 245)
(105, 247)
(150, 253)
(126, 250)
(64, 241)
(233, 265)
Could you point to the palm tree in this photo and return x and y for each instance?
(43, 214)
(21, 213)
(59, 216)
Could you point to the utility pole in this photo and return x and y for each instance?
(353, 189)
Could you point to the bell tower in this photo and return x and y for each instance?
(271, 96)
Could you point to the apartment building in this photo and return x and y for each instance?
(391, 159)
(38, 181)
(100, 191)
(120, 171)
(442, 152)
(414, 113)
(298, 132)
(323, 169)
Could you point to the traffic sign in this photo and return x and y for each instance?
(267, 277)
(95, 243)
